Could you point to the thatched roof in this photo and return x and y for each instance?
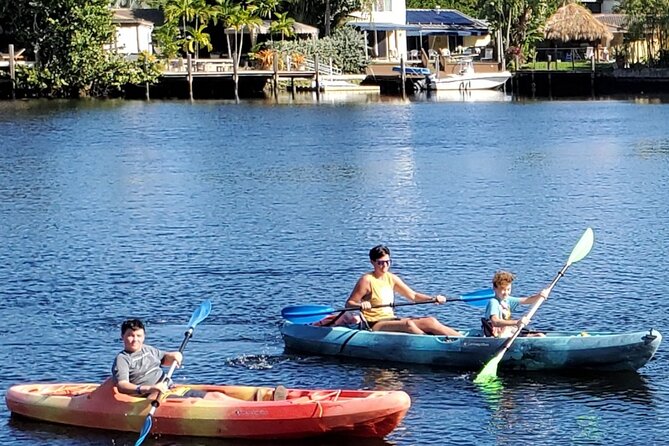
(575, 22)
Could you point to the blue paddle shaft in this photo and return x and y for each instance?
(198, 316)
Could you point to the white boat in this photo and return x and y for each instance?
(467, 79)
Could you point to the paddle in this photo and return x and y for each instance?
(198, 316)
(582, 248)
(306, 314)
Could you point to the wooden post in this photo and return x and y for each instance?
(275, 68)
(318, 81)
(189, 67)
(12, 70)
(403, 77)
(235, 75)
(146, 84)
(573, 65)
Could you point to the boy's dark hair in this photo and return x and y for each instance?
(378, 251)
(132, 324)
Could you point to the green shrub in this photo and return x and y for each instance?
(346, 49)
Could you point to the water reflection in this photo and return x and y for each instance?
(382, 379)
(38, 432)
(465, 96)
(630, 387)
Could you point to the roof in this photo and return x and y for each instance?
(615, 22)
(138, 16)
(575, 22)
(445, 21)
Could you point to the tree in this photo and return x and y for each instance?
(282, 25)
(469, 7)
(518, 21)
(69, 40)
(648, 20)
(323, 14)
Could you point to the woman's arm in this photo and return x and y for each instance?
(361, 290)
(406, 291)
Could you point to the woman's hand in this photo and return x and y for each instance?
(439, 299)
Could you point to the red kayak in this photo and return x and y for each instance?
(225, 411)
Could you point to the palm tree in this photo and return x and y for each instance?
(197, 38)
(266, 7)
(239, 18)
(283, 25)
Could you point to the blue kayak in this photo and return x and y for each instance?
(601, 351)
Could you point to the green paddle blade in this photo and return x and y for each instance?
(490, 370)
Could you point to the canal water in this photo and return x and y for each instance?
(110, 210)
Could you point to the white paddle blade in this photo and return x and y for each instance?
(583, 247)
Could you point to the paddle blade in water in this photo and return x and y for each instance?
(490, 370)
(146, 428)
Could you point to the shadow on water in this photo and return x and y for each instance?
(57, 434)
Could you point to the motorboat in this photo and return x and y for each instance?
(466, 78)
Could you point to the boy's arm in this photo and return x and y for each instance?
(533, 299)
(171, 357)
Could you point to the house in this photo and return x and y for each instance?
(134, 28)
(394, 31)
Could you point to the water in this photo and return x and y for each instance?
(111, 210)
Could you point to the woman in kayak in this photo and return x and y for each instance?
(497, 321)
(378, 288)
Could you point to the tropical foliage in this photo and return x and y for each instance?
(469, 7)
(519, 21)
(345, 48)
(324, 14)
(68, 39)
(648, 21)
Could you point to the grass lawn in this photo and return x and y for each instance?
(578, 65)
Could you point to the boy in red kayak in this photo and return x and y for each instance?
(137, 369)
(497, 321)
(378, 288)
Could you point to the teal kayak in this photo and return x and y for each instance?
(600, 351)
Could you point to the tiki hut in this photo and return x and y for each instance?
(575, 23)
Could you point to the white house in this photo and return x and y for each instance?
(394, 31)
(133, 33)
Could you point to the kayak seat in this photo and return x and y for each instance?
(486, 326)
(331, 395)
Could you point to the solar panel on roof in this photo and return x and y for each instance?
(437, 17)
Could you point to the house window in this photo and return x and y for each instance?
(382, 5)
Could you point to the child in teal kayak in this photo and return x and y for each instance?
(375, 292)
(497, 321)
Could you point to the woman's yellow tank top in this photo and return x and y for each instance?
(382, 294)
